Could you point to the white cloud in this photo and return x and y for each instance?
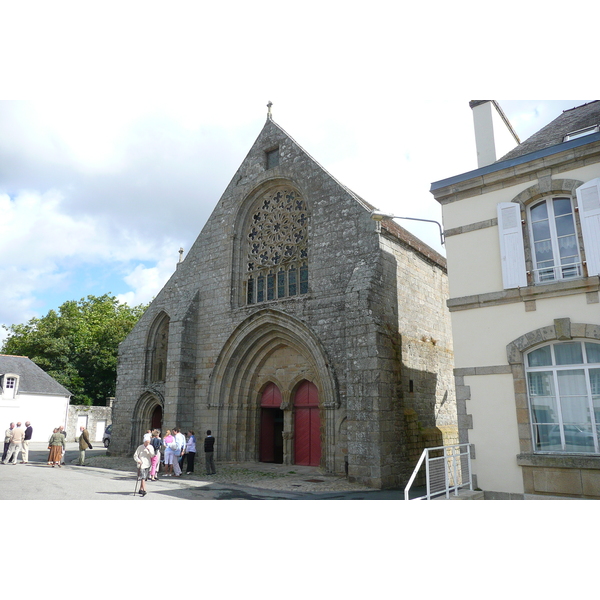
(146, 282)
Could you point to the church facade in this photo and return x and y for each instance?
(298, 329)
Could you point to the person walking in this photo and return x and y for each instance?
(84, 444)
(7, 436)
(143, 457)
(56, 445)
(190, 452)
(209, 450)
(61, 429)
(16, 444)
(26, 440)
(156, 443)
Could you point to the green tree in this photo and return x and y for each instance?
(78, 344)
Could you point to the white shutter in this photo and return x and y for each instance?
(514, 273)
(588, 200)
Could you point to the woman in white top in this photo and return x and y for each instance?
(143, 457)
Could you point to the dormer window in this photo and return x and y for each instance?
(573, 135)
(10, 384)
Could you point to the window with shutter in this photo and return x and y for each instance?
(588, 200)
(554, 244)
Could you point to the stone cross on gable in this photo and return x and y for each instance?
(269, 104)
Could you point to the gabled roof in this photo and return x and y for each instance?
(554, 133)
(32, 379)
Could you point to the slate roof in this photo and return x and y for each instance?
(553, 134)
(32, 379)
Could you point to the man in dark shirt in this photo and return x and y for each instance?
(209, 450)
(26, 440)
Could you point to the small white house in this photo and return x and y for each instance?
(28, 393)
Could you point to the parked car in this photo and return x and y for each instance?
(106, 436)
(576, 438)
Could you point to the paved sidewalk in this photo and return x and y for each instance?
(109, 477)
(291, 478)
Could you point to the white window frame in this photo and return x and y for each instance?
(558, 272)
(9, 392)
(555, 369)
(574, 135)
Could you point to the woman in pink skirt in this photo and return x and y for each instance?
(156, 443)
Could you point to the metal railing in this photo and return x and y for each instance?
(447, 468)
(558, 273)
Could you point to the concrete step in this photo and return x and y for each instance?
(463, 495)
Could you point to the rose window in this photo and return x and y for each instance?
(277, 247)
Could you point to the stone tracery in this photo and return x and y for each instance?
(277, 245)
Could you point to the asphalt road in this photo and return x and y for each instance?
(38, 481)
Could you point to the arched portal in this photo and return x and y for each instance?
(307, 425)
(148, 412)
(271, 425)
(272, 351)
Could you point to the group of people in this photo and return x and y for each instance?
(57, 445)
(16, 441)
(172, 452)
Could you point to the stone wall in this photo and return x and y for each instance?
(94, 414)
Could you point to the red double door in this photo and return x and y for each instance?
(307, 425)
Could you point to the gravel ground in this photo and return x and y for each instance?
(265, 476)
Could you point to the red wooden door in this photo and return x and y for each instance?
(307, 425)
(271, 396)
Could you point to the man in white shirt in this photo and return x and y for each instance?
(180, 439)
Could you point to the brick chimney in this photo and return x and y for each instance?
(494, 135)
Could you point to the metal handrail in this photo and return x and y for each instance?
(558, 273)
(451, 456)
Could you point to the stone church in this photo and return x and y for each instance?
(298, 329)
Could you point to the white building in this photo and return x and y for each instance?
(523, 251)
(27, 393)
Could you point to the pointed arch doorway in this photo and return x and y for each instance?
(271, 425)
